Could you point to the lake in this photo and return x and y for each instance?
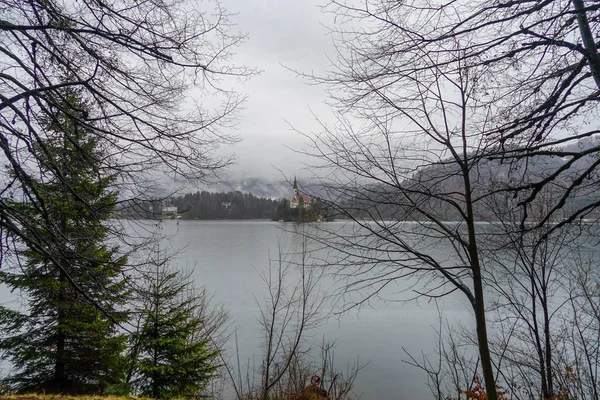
(227, 256)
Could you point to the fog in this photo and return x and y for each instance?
(283, 36)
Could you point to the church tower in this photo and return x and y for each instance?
(299, 199)
(295, 188)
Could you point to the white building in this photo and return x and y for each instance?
(169, 210)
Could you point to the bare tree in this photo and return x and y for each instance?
(290, 311)
(338, 384)
(545, 329)
(400, 189)
(541, 314)
(442, 105)
(525, 274)
(452, 370)
(578, 344)
(153, 76)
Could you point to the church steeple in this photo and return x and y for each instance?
(299, 199)
(295, 188)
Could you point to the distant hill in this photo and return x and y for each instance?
(279, 189)
(443, 180)
(257, 186)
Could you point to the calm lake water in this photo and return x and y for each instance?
(227, 256)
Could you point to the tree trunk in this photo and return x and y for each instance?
(591, 51)
(538, 342)
(479, 304)
(482, 337)
(548, 348)
(59, 366)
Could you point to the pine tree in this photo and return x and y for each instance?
(61, 341)
(174, 358)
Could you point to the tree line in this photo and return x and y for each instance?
(230, 205)
(490, 175)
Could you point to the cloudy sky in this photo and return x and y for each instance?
(281, 33)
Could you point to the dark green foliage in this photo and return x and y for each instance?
(317, 212)
(174, 358)
(206, 205)
(284, 212)
(320, 211)
(61, 341)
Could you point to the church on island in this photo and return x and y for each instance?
(301, 208)
(299, 199)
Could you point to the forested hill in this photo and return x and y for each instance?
(207, 205)
(437, 190)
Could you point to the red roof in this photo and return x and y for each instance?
(305, 198)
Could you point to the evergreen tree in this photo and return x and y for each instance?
(61, 341)
(174, 358)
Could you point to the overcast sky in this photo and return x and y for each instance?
(281, 33)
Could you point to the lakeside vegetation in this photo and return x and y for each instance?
(317, 212)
